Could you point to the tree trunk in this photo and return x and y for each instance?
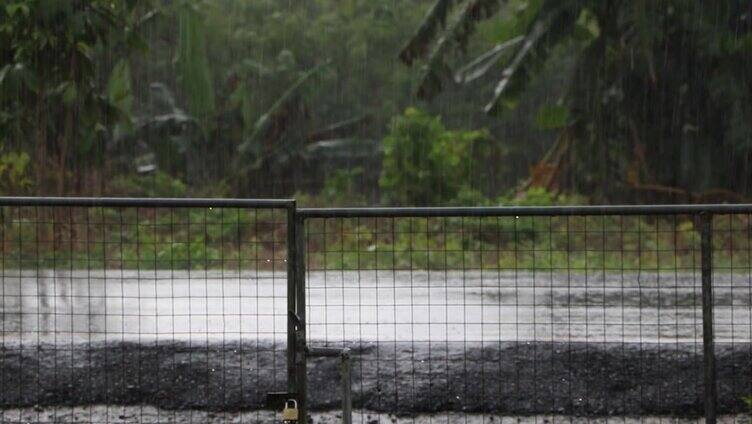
(41, 141)
(64, 140)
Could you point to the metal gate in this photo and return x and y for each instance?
(117, 310)
(123, 310)
(476, 314)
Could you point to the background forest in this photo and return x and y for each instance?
(395, 102)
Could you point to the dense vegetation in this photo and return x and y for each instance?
(400, 102)
(372, 102)
(657, 94)
(377, 101)
(217, 97)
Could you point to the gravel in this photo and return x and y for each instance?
(112, 414)
(506, 378)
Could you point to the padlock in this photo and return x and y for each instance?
(290, 413)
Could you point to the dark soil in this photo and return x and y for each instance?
(507, 378)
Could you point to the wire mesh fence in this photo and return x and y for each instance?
(471, 317)
(732, 308)
(176, 307)
(167, 310)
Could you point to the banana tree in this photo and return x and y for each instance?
(659, 94)
(51, 92)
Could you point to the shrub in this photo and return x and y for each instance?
(157, 184)
(539, 196)
(14, 173)
(341, 188)
(424, 163)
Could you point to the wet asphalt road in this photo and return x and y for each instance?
(385, 306)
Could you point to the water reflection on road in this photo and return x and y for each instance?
(114, 305)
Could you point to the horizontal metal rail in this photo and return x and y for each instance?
(146, 202)
(385, 212)
(523, 211)
(297, 351)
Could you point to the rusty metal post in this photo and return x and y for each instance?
(708, 341)
(292, 384)
(301, 354)
(346, 372)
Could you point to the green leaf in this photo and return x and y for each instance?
(462, 26)
(192, 64)
(70, 93)
(17, 74)
(539, 29)
(483, 63)
(119, 91)
(553, 23)
(85, 49)
(4, 72)
(552, 117)
(12, 9)
(522, 13)
(264, 123)
(418, 44)
(587, 27)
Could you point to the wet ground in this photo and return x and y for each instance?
(148, 414)
(384, 306)
(423, 342)
(510, 378)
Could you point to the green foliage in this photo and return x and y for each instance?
(579, 245)
(424, 163)
(119, 87)
(536, 196)
(627, 55)
(552, 117)
(587, 27)
(748, 401)
(194, 74)
(457, 28)
(193, 238)
(55, 105)
(643, 94)
(524, 229)
(539, 196)
(281, 76)
(256, 149)
(202, 239)
(341, 188)
(469, 196)
(158, 184)
(14, 173)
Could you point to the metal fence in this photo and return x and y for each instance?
(466, 314)
(178, 306)
(151, 310)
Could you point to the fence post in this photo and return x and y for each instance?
(292, 383)
(346, 375)
(301, 362)
(706, 246)
(296, 310)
